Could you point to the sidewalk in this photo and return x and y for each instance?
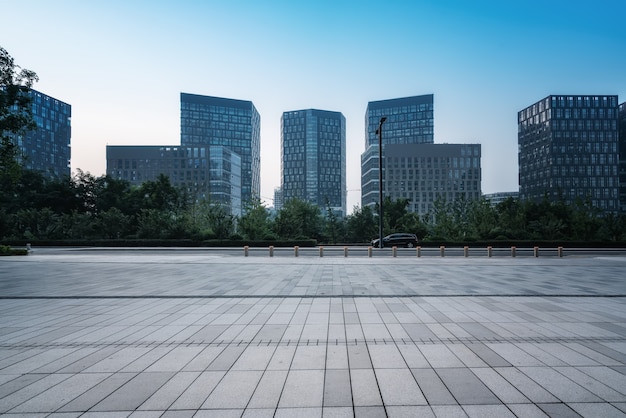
(180, 335)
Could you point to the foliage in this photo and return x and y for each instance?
(254, 224)
(298, 219)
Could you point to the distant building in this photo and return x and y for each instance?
(423, 173)
(313, 163)
(622, 157)
(499, 197)
(278, 198)
(569, 149)
(409, 121)
(47, 148)
(234, 124)
(211, 173)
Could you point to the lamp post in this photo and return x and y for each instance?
(379, 132)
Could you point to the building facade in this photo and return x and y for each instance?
(234, 124)
(410, 120)
(496, 198)
(622, 157)
(47, 148)
(313, 158)
(206, 173)
(569, 149)
(424, 173)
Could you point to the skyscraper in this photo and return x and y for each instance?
(47, 147)
(409, 121)
(622, 157)
(234, 124)
(313, 163)
(569, 149)
(423, 173)
(210, 173)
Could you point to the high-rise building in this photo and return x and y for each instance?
(409, 120)
(47, 147)
(424, 173)
(622, 157)
(313, 163)
(569, 149)
(278, 198)
(234, 124)
(211, 173)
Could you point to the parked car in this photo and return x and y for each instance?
(397, 240)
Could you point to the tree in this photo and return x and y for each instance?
(361, 224)
(254, 223)
(15, 117)
(298, 219)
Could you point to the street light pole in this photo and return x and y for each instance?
(379, 132)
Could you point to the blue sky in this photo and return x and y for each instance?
(122, 65)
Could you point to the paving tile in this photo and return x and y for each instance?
(234, 390)
(298, 413)
(466, 388)
(254, 358)
(505, 391)
(365, 391)
(369, 412)
(219, 413)
(432, 387)
(410, 412)
(269, 389)
(527, 410)
(195, 395)
(488, 411)
(135, 392)
(558, 410)
(303, 389)
(337, 390)
(309, 357)
(528, 387)
(60, 394)
(560, 386)
(337, 412)
(33, 389)
(448, 411)
(398, 387)
(165, 396)
(336, 356)
(438, 356)
(386, 356)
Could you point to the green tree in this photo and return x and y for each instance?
(361, 224)
(298, 219)
(254, 224)
(15, 119)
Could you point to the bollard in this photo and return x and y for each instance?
(512, 251)
(295, 250)
(28, 248)
(345, 251)
(442, 251)
(271, 251)
(245, 250)
(369, 252)
(321, 251)
(419, 251)
(489, 251)
(394, 251)
(559, 251)
(536, 251)
(466, 251)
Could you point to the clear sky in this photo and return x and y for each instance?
(122, 64)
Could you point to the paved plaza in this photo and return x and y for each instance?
(206, 333)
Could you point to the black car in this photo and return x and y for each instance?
(397, 240)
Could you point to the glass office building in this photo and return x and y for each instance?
(234, 124)
(569, 149)
(211, 173)
(47, 147)
(622, 157)
(313, 160)
(409, 121)
(423, 173)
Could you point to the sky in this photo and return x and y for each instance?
(122, 65)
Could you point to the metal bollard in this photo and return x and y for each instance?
(394, 251)
(489, 251)
(245, 250)
(536, 251)
(28, 248)
(321, 251)
(271, 251)
(345, 251)
(369, 252)
(559, 251)
(513, 251)
(418, 251)
(466, 251)
(442, 251)
(295, 250)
